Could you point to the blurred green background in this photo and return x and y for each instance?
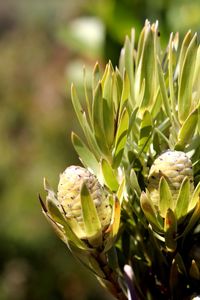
(43, 47)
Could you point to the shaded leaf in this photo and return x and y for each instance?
(194, 270)
(170, 227)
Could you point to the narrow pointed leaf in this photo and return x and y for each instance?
(109, 175)
(77, 106)
(115, 221)
(120, 191)
(129, 66)
(134, 182)
(193, 219)
(174, 277)
(195, 197)
(145, 132)
(171, 80)
(163, 90)
(97, 115)
(194, 270)
(121, 137)
(187, 130)
(186, 80)
(108, 121)
(96, 76)
(183, 199)
(91, 220)
(125, 92)
(166, 200)
(114, 225)
(87, 100)
(87, 157)
(150, 212)
(170, 227)
(83, 122)
(58, 217)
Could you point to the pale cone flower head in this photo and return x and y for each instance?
(69, 188)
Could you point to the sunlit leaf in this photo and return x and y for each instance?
(150, 212)
(166, 200)
(120, 139)
(187, 130)
(91, 220)
(145, 132)
(186, 80)
(109, 175)
(195, 197)
(87, 157)
(163, 90)
(183, 199)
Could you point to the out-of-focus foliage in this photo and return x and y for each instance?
(41, 51)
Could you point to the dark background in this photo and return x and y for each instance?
(43, 47)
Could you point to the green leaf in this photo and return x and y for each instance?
(183, 199)
(145, 132)
(84, 123)
(109, 175)
(87, 100)
(108, 122)
(114, 224)
(120, 191)
(129, 62)
(171, 74)
(125, 92)
(187, 130)
(163, 90)
(150, 212)
(195, 197)
(184, 47)
(77, 106)
(148, 67)
(97, 116)
(193, 219)
(91, 220)
(54, 211)
(166, 200)
(87, 157)
(58, 217)
(186, 80)
(96, 76)
(134, 182)
(120, 139)
(170, 227)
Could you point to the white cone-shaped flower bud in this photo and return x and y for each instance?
(174, 166)
(69, 187)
